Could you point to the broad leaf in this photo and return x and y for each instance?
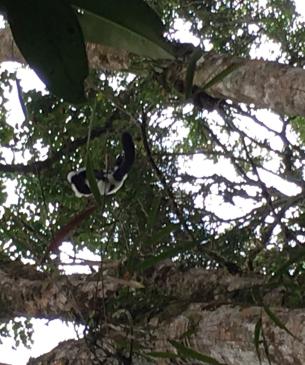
(92, 181)
(161, 234)
(153, 214)
(163, 354)
(222, 75)
(297, 256)
(131, 25)
(266, 347)
(89, 167)
(50, 38)
(275, 319)
(188, 353)
(166, 254)
(257, 333)
(190, 72)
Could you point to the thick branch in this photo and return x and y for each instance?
(265, 84)
(27, 292)
(262, 83)
(99, 57)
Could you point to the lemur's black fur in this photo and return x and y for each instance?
(108, 182)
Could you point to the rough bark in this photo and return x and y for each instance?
(30, 293)
(211, 312)
(224, 333)
(265, 84)
(99, 57)
(24, 291)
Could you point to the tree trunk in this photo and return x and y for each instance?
(265, 84)
(225, 333)
(211, 312)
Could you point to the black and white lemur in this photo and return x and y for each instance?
(108, 182)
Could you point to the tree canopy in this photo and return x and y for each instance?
(217, 185)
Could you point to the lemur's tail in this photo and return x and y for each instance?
(128, 157)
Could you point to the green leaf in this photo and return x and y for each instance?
(89, 167)
(171, 252)
(188, 353)
(190, 71)
(298, 124)
(6, 134)
(131, 25)
(257, 333)
(153, 214)
(3, 194)
(49, 37)
(274, 318)
(224, 73)
(162, 233)
(162, 354)
(266, 348)
(298, 255)
(92, 181)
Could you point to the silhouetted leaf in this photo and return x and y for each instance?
(161, 234)
(274, 318)
(169, 253)
(92, 181)
(257, 333)
(131, 25)
(89, 167)
(188, 353)
(50, 38)
(221, 75)
(190, 72)
(153, 214)
(162, 355)
(297, 255)
(266, 348)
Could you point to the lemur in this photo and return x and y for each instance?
(108, 182)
